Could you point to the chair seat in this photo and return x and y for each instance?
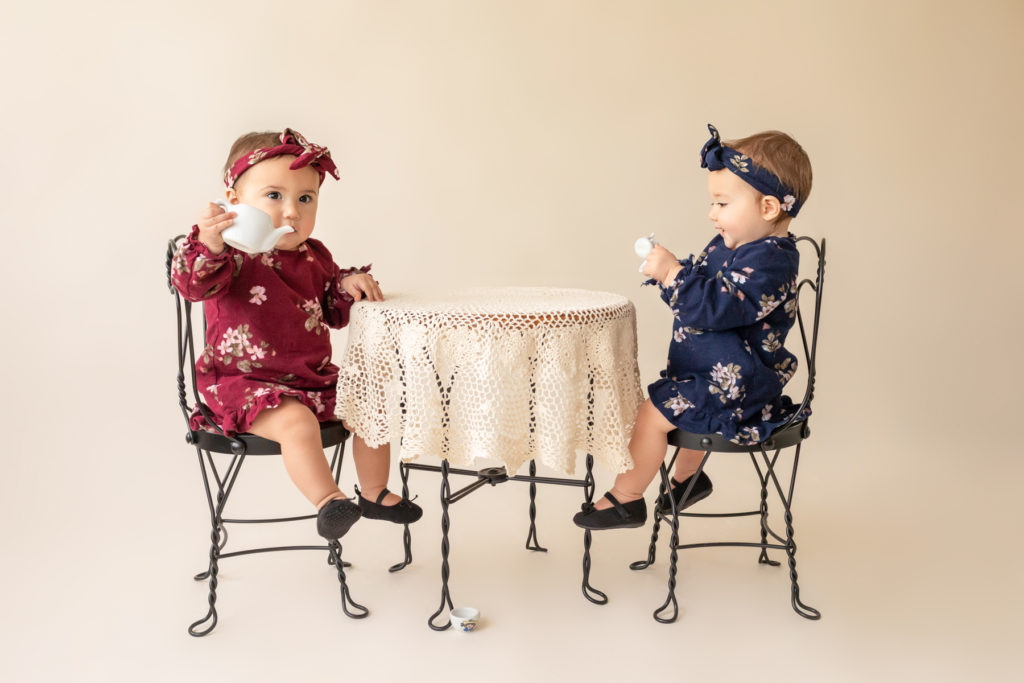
(331, 434)
(783, 438)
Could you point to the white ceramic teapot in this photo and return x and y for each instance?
(253, 230)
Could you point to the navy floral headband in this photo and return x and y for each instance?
(715, 156)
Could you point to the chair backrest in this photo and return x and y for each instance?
(809, 333)
(186, 348)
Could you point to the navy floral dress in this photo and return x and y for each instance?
(726, 364)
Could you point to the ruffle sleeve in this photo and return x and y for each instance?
(740, 294)
(200, 274)
(338, 302)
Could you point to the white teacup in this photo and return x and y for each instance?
(253, 230)
(643, 246)
(465, 619)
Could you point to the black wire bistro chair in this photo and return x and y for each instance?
(764, 456)
(235, 450)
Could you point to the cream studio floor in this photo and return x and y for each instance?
(898, 602)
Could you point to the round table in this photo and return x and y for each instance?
(508, 374)
(512, 374)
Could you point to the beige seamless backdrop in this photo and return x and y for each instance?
(517, 142)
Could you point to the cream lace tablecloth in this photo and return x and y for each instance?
(510, 374)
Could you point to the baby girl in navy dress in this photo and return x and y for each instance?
(733, 307)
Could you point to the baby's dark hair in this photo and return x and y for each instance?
(251, 142)
(780, 154)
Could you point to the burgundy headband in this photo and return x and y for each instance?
(292, 142)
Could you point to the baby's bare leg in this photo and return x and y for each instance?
(687, 463)
(296, 428)
(373, 467)
(648, 446)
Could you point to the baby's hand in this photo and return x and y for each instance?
(661, 264)
(212, 220)
(360, 284)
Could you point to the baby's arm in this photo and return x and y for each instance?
(661, 264)
(198, 272)
(346, 287)
(756, 282)
(213, 220)
(359, 284)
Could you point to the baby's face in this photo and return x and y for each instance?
(737, 210)
(289, 196)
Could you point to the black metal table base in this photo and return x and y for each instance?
(669, 610)
(406, 535)
(493, 476)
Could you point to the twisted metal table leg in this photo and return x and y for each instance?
(406, 534)
(532, 543)
(446, 598)
(589, 592)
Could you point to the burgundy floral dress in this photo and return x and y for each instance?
(267, 327)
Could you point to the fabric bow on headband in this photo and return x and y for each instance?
(292, 142)
(715, 156)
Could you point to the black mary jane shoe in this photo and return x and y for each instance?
(336, 518)
(403, 512)
(619, 516)
(701, 489)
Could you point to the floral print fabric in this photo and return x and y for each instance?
(727, 364)
(267, 322)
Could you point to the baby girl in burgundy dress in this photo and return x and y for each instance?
(266, 368)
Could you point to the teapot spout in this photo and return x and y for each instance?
(273, 237)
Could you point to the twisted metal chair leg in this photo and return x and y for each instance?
(211, 573)
(673, 557)
(223, 532)
(589, 592)
(799, 607)
(218, 535)
(763, 557)
(220, 529)
(652, 549)
(763, 509)
(663, 495)
(359, 612)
